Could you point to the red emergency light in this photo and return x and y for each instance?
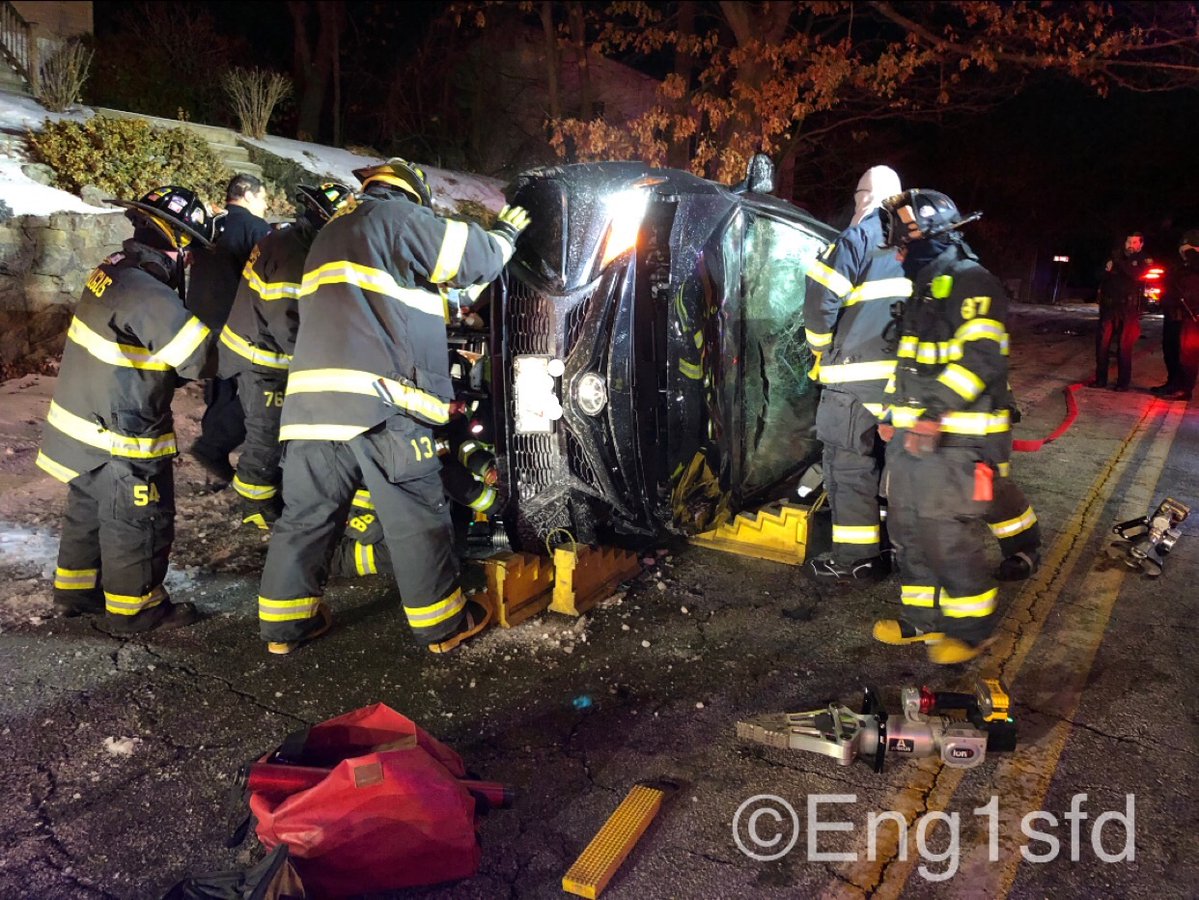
(1156, 273)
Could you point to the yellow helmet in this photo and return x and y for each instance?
(399, 173)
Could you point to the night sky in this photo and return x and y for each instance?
(1058, 162)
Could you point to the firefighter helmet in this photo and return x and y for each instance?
(401, 174)
(919, 214)
(175, 211)
(320, 203)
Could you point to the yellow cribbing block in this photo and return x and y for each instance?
(520, 585)
(778, 532)
(597, 864)
(585, 575)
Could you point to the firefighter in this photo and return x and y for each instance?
(847, 307)
(109, 435)
(256, 344)
(215, 278)
(369, 379)
(949, 407)
(469, 479)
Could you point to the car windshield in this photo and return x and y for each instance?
(779, 400)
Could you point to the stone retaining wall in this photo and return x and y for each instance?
(44, 261)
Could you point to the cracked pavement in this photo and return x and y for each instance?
(82, 818)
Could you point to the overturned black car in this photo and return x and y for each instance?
(647, 364)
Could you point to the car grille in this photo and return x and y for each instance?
(575, 319)
(537, 325)
(530, 320)
(579, 466)
(534, 463)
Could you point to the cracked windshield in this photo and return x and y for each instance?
(780, 399)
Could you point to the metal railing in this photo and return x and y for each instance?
(18, 43)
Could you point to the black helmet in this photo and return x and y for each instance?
(320, 203)
(398, 173)
(174, 211)
(919, 214)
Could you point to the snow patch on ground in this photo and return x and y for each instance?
(340, 164)
(548, 633)
(122, 746)
(19, 114)
(24, 196)
(31, 549)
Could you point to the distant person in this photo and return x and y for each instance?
(1120, 311)
(1180, 328)
(215, 278)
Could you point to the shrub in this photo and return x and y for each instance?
(127, 158)
(62, 76)
(254, 94)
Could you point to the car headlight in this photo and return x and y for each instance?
(591, 393)
(627, 210)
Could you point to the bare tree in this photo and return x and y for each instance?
(63, 74)
(254, 94)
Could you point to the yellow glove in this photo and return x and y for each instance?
(511, 221)
(814, 372)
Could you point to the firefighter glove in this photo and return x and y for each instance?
(511, 221)
(923, 437)
(814, 372)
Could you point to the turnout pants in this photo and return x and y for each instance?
(222, 427)
(398, 466)
(853, 463)
(937, 528)
(116, 537)
(258, 472)
(1124, 333)
(1012, 520)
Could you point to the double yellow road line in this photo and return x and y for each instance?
(1055, 684)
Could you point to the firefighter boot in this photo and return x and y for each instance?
(321, 622)
(261, 514)
(898, 632)
(68, 604)
(162, 616)
(951, 651)
(479, 613)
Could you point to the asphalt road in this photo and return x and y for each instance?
(1099, 660)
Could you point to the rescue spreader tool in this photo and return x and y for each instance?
(980, 723)
(1144, 542)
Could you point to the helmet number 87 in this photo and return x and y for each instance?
(975, 306)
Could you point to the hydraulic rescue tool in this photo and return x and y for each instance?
(980, 722)
(1144, 542)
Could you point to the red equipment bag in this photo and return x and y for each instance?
(390, 812)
